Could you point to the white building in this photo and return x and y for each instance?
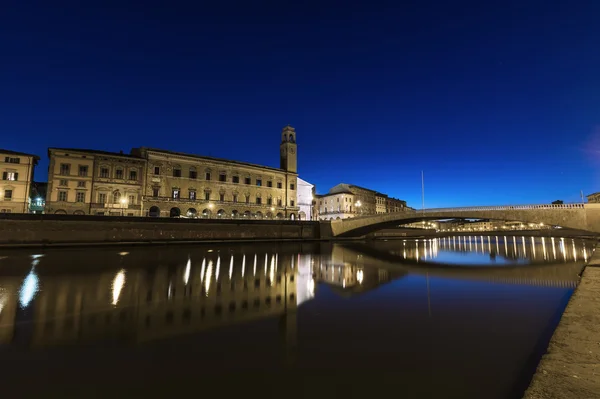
(305, 192)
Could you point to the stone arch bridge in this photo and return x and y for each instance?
(574, 216)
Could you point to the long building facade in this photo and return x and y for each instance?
(162, 183)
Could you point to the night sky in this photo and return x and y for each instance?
(497, 102)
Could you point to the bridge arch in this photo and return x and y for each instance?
(574, 216)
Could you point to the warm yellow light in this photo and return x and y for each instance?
(359, 276)
(123, 201)
(117, 286)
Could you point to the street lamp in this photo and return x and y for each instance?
(124, 205)
(272, 210)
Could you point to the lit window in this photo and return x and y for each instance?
(192, 195)
(175, 193)
(10, 176)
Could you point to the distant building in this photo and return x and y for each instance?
(17, 175)
(380, 203)
(594, 198)
(394, 205)
(84, 182)
(347, 200)
(37, 197)
(305, 196)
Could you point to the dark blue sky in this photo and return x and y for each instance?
(498, 102)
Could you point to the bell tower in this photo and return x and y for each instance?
(289, 156)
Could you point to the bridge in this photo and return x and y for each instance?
(574, 216)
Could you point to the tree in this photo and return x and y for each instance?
(557, 202)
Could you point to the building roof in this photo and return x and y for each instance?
(9, 152)
(183, 154)
(96, 152)
(596, 193)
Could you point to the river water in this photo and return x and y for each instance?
(453, 317)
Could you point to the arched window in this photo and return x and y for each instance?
(193, 174)
(176, 171)
(116, 197)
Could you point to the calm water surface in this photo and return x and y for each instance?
(454, 317)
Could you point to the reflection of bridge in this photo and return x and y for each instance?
(554, 274)
(575, 216)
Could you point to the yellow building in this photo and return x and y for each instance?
(17, 175)
(188, 185)
(82, 182)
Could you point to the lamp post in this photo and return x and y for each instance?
(272, 212)
(124, 205)
(358, 205)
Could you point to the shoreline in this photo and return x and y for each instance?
(570, 367)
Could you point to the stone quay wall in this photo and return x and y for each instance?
(19, 230)
(571, 365)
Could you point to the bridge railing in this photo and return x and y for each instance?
(503, 208)
(476, 208)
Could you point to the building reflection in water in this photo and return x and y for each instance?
(148, 297)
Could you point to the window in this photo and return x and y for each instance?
(116, 197)
(259, 182)
(234, 197)
(157, 170)
(62, 196)
(83, 170)
(104, 173)
(102, 198)
(207, 195)
(193, 174)
(63, 182)
(176, 172)
(133, 175)
(222, 177)
(132, 199)
(192, 195)
(10, 176)
(80, 196)
(7, 195)
(269, 201)
(247, 180)
(119, 173)
(269, 183)
(235, 179)
(65, 169)
(279, 202)
(175, 193)
(279, 184)
(81, 184)
(258, 200)
(221, 197)
(155, 191)
(12, 160)
(293, 187)
(247, 199)
(207, 175)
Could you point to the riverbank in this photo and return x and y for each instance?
(571, 366)
(69, 230)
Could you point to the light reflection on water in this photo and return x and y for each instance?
(323, 296)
